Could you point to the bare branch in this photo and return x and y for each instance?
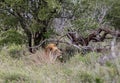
(84, 41)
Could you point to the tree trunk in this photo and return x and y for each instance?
(30, 44)
(34, 40)
(39, 36)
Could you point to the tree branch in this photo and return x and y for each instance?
(80, 40)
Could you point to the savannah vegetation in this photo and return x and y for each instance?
(86, 31)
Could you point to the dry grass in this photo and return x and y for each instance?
(78, 69)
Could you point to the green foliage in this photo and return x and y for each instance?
(82, 10)
(12, 36)
(47, 11)
(32, 16)
(13, 3)
(15, 51)
(49, 33)
(44, 14)
(9, 21)
(114, 14)
(36, 26)
(89, 15)
(83, 24)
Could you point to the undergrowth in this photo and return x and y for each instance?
(78, 69)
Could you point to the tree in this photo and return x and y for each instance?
(88, 19)
(87, 15)
(33, 16)
(114, 14)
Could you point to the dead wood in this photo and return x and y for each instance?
(94, 36)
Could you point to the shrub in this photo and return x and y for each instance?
(15, 51)
(11, 37)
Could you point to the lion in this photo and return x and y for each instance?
(52, 52)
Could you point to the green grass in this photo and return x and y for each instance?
(79, 69)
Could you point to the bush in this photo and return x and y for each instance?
(11, 37)
(15, 51)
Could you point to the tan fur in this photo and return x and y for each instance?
(52, 52)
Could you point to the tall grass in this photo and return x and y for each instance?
(78, 69)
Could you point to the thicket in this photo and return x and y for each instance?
(32, 21)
